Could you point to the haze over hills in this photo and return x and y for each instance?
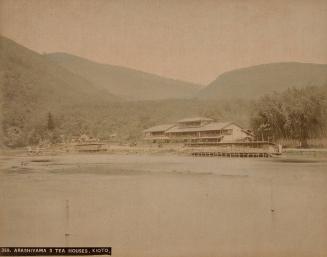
(31, 86)
(76, 92)
(31, 76)
(129, 83)
(255, 81)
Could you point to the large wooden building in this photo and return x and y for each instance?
(198, 130)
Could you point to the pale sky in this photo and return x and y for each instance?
(187, 39)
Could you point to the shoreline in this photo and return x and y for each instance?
(144, 149)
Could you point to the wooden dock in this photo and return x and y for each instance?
(232, 154)
(253, 149)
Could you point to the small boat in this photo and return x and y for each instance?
(90, 147)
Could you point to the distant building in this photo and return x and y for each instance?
(158, 134)
(198, 130)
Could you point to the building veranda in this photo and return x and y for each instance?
(198, 130)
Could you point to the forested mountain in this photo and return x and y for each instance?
(31, 86)
(43, 101)
(255, 81)
(128, 83)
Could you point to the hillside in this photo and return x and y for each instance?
(255, 81)
(31, 86)
(128, 83)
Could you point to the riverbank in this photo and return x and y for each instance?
(179, 150)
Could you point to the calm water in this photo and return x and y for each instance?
(165, 205)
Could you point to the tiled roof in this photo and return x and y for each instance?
(160, 128)
(207, 127)
(194, 119)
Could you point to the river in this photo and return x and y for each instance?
(165, 205)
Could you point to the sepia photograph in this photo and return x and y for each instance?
(163, 128)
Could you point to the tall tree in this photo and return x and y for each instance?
(305, 110)
(296, 113)
(269, 118)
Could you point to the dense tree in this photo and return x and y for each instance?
(296, 114)
(305, 113)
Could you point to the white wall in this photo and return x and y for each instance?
(237, 133)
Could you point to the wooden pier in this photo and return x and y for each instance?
(254, 149)
(232, 154)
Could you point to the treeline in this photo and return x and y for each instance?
(298, 114)
(125, 120)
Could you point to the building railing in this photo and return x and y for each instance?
(183, 136)
(156, 137)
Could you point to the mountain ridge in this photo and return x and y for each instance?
(128, 83)
(255, 81)
(31, 86)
